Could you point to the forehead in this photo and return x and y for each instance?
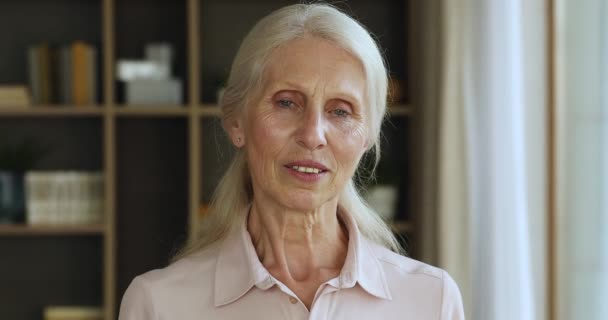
(310, 60)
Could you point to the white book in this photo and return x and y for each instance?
(97, 186)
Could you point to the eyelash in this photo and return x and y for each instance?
(340, 113)
(285, 103)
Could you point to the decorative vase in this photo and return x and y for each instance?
(12, 197)
(383, 199)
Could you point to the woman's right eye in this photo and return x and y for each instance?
(284, 103)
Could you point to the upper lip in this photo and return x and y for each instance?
(308, 164)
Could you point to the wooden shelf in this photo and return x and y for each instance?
(50, 230)
(151, 111)
(52, 111)
(209, 110)
(400, 110)
(401, 226)
(155, 159)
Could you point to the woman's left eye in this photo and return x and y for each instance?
(340, 112)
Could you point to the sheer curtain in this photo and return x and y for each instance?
(582, 159)
(492, 156)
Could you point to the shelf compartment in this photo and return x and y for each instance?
(50, 271)
(141, 22)
(151, 194)
(394, 167)
(23, 230)
(71, 143)
(57, 22)
(383, 18)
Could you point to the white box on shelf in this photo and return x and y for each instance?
(130, 70)
(154, 92)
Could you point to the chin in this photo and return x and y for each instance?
(304, 200)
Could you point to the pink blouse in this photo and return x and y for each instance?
(228, 281)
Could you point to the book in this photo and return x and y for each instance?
(73, 313)
(14, 96)
(80, 85)
(63, 197)
(44, 73)
(34, 74)
(92, 74)
(63, 75)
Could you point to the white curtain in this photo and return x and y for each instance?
(492, 156)
(582, 159)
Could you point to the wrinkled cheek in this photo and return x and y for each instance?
(350, 147)
(263, 150)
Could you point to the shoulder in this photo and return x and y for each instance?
(404, 265)
(184, 271)
(406, 277)
(156, 292)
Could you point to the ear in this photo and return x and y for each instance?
(235, 129)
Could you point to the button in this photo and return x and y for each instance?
(293, 300)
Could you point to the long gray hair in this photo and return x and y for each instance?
(234, 192)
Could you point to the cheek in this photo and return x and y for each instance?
(268, 133)
(349, 145)
(267, 137)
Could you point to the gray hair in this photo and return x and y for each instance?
(234, 192)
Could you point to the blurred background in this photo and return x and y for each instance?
(494, 162)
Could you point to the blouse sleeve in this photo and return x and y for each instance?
(136, 303)
(451, 308)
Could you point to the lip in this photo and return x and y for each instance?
(307, 177)
(307, 163)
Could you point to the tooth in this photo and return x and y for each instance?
(295, 167)
(309, 170)
(315, 170)
(302, 169)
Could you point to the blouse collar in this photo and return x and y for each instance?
(238, 267)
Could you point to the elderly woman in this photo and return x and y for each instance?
(288, 236)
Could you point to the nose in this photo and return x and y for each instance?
(311, 131)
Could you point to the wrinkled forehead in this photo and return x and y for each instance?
(308, 61)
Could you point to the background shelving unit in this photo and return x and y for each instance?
(160, 163)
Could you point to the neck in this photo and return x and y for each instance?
(298, 246)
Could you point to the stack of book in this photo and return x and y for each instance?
(14, 96)
(63, 75)
(72, 313)
(63, 198)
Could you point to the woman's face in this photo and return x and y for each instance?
(307, 131)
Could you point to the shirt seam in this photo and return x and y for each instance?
(410, 272)
(442, 295)
(147, 292)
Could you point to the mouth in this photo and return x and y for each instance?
(304, 169)
(307, 167)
